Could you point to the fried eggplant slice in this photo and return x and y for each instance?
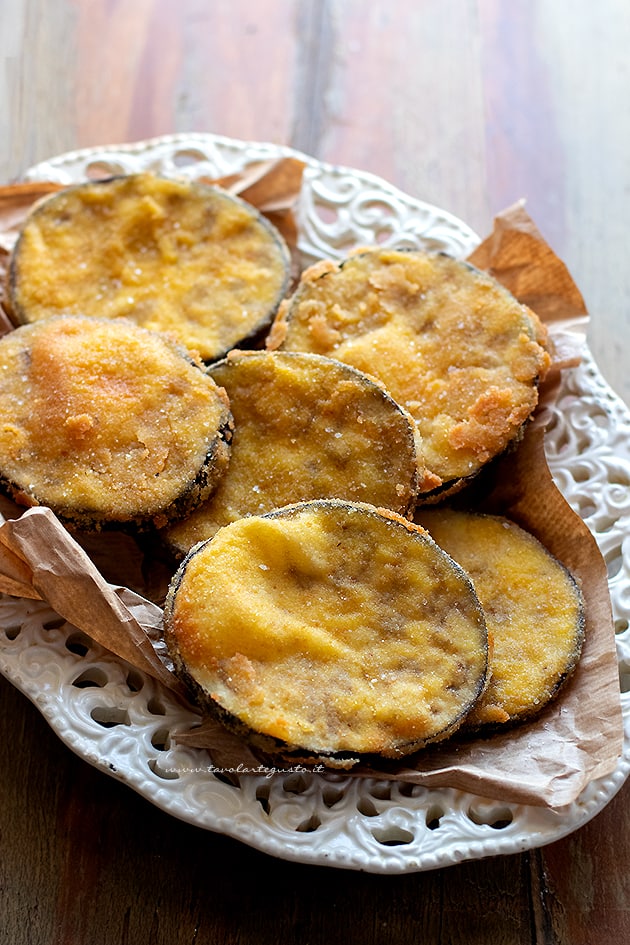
(534, 611)
(108, 423)
(172, 255)
(451, 345)
(305, 427)
(330, 630)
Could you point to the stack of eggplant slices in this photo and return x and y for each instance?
(294, 446)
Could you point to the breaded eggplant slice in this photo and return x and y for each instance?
(534, 611)
(330, 630)
(108, 423)
(172, 255)
(305, 427)
(451, 345)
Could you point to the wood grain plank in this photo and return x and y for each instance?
(403, 99)
(30, 781)
(591, 86)
(227, 68)
(105, 71)
(587, 889)
(556, 83)
(37, 113)
(524, 149)
(316, 44)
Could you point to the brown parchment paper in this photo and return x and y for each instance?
(546, 762)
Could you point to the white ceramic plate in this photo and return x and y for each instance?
(123, 722)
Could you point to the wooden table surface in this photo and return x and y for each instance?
(471, 105)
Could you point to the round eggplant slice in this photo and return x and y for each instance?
(451, 345)
(534, 611)
(305, 427)
(172, 255)
(328, 630)
(108, 423)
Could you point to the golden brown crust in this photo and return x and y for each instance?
(328, 629)
(534, 611)
(306, 427)
(450, 344)
(107, 423)
(172, 255)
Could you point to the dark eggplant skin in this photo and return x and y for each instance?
(393, 465)
(252, 337)
(487, 729)
(205, 481)
(327, 270)
(472, 727)
(274, 747)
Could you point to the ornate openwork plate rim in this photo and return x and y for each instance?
(124, 723)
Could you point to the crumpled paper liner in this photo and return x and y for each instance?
(517, 255)
(40, 560)
(545, 762)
